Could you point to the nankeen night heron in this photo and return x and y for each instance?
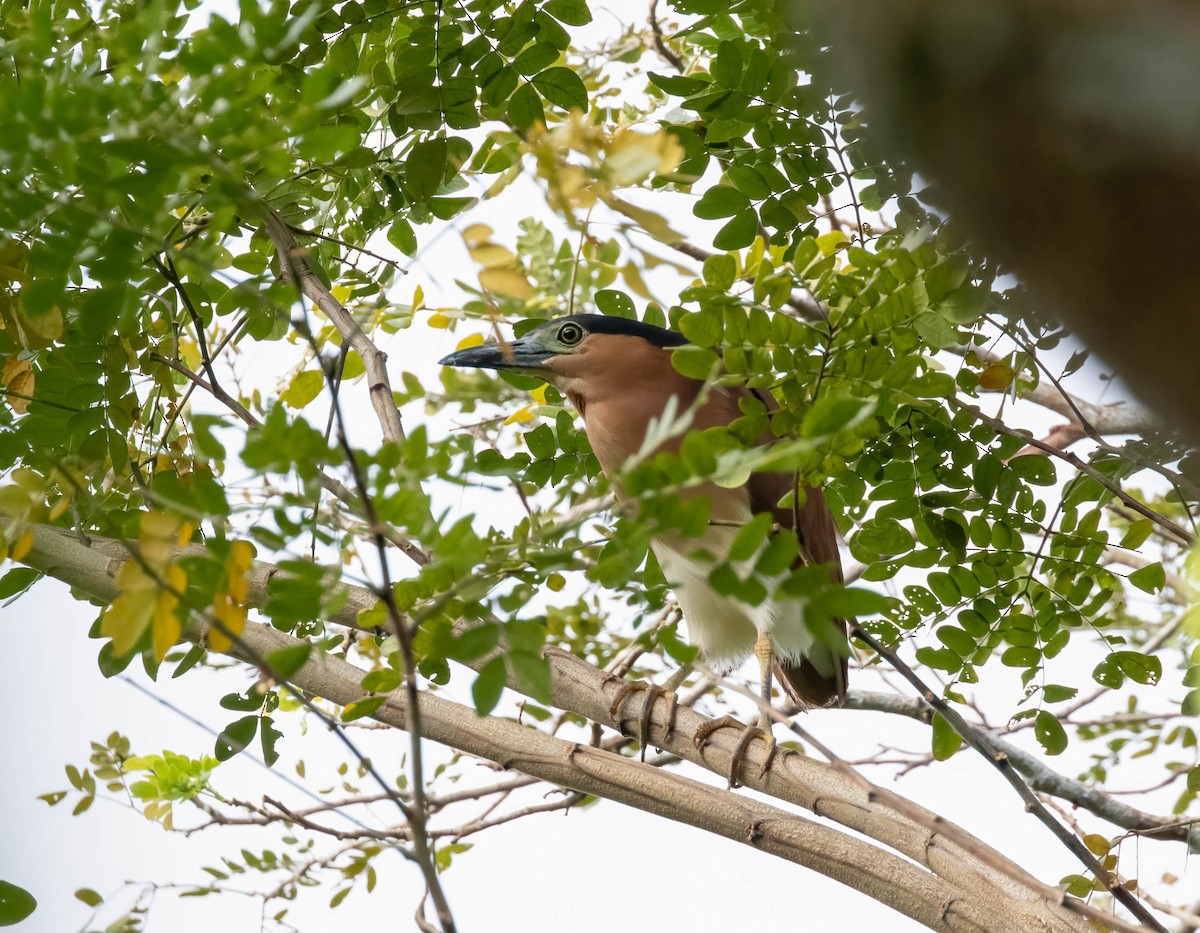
(618, 375)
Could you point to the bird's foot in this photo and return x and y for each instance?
(645, 714)
(737, 762)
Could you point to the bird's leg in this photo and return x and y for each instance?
(765, 652)
(667, 689)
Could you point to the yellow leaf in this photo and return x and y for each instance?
(633, 278)
(22, 547)
(161, 533)
(492, 254)
(229, 620)
(439, 320)
(754, 256)
(418, 301)
(59, 507)
(654, 224)
(506, 281)
(539, 394)
(341, 293)
(633, 157)
(830, 242)
(520, 416)
(17, 377)
(473, 340)
(237, 566)
(354, 366)
(190, 351)
(575, 185)
(476, 234)
(996, 376)
(166, 627)
(47, 326)
(126, 618)
(303, 388)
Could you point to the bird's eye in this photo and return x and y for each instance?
(570, 334)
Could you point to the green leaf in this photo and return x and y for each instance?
(881, 537)
(562, 87)
(235, 737)
(445, 854)
(1055, 693)
(704, 328)
(1017, 656)
(750, 537)
(476, 642)
(739, 232)
(940, 659)
(89, 897)
(401, 235)
(1142, 668)
(525, 108)
(533, 675)
(425, 168)
(1193, 779)
(384, 680)
(1108, 673)
(1050, 733)
(489, 685)
(540, 442)
(957, 640)
(1137, 534)
(252, 699)
(1034, 468)
(679, 85)
(847, 602)
(16, 580)
(720, 271)
(615, 303)
(694, 362)
(1077, 885)
(536, 57)
(286, 661)
(268, 736)
(367, 706)
(830, 414)
(945, 740)
(720, 201)
(571, 12)
(15, 904)
(1149, 579)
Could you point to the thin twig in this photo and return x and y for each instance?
(983, 744)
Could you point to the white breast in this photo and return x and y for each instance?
(724, 628)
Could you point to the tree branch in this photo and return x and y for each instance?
(581, 688)
(295, 267)
(1040, 776)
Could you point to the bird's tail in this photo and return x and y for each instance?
(817, 680)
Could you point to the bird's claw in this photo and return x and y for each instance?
(646, 712)
(737, 761)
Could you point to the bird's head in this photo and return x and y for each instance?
(582, 355)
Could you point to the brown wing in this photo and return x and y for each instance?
(820, 679)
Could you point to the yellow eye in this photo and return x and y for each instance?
(570, 334)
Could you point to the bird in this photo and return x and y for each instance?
(618, 375)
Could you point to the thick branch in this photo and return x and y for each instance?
(585, 690)
(860, 865)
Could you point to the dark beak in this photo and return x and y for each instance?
(517, 354)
